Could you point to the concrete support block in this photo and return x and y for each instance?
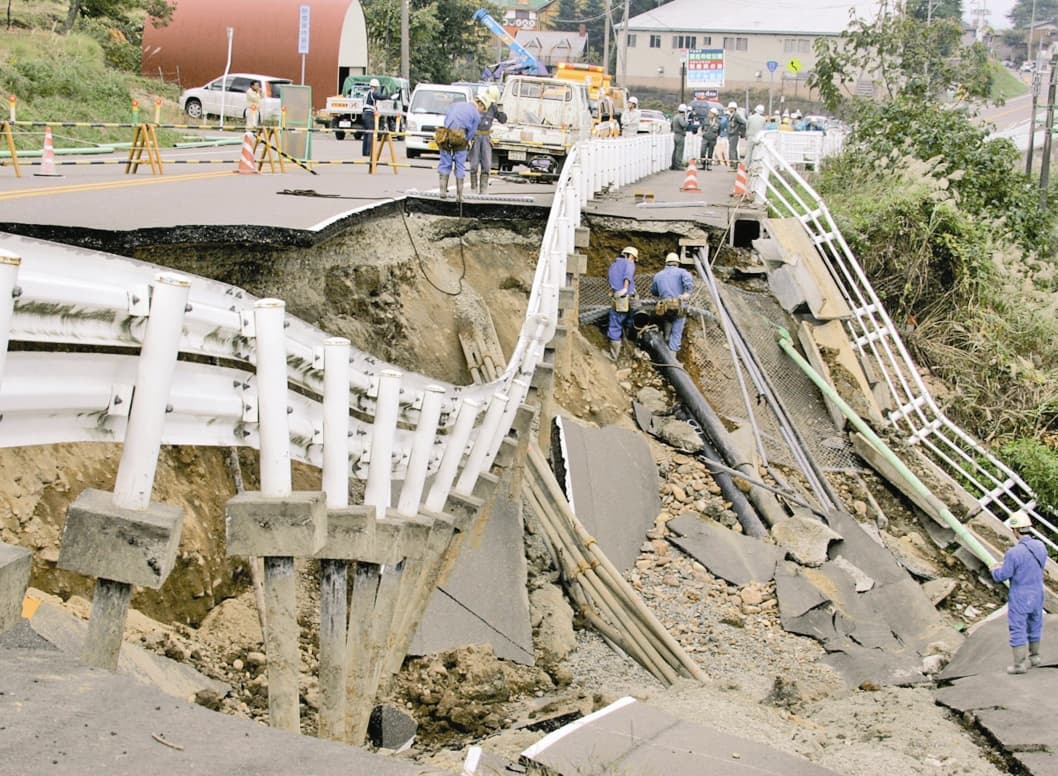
(350, 533)
(365, 579)
(106, 624)
(15, 565)
(388, 546)
(581, 237)
(287, 526)
(123, 545)
(485, 485)
(802, 278)
(567, 300)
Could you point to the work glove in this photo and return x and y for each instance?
(621, 293)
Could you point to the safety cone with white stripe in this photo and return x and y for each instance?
(690, 182)
(741, 182)
(47, 161)
(247, 165)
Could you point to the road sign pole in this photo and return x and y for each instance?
(1032, 120)
(1045, 165)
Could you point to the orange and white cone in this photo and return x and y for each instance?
(47, 161)
(247, 165)
(690, 182)
(741, 182)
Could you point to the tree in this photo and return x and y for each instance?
(119, 11)
(446, 43)
(595, 21)
(906, 56)
(927, 10)
(567, 17)
(1021, 14)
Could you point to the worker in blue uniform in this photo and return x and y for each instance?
(480, 156)
(1023, 565)
(453, 140)
(672, 288)
(622, 277)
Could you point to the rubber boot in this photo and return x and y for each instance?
(459, 189)
(1021, 660)
(615, 349)
(473, 182)
(444, 186)
(484, 188)
(1034, 653)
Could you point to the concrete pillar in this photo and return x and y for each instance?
(15, 565)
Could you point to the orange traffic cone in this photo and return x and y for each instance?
(741, 183)
(690, 183)
(247, 165)
(47, 161)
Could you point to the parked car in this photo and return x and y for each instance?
(230, 91)
(653, 122)
(429, 104)
(1028, 66)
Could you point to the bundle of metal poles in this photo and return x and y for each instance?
(602, 595)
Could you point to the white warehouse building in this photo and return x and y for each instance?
(751, 33)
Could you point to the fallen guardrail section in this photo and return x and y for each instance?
(124, 351)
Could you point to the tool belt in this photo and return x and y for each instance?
(450, 140)
(669, 308)
(621, 304)
(484, 132)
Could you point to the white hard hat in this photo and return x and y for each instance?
(373, 82)
(713, 111)
(759, 109)
(732, 105)
(672, 258)
(1018, 520)
(682, 108)
(494, 92)
(633, 100)
(630, 251)
(483, 97)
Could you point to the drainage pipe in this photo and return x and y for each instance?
(970, 541)
(764, 502)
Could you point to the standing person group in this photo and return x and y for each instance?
(453, 139)
(672, 288)
(622, 277)
(1023, 566)
(480, 156)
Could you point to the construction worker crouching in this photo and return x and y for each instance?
(672, 287)
(622, 277)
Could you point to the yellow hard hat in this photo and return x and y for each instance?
(630, 251)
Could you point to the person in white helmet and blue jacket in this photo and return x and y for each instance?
(1023, 566)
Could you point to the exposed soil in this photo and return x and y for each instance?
(396, 298)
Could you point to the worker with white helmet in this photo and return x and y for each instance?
(453, 141)
(672, 288)
(479, 160)
(1023, 566)
(736, 130)
(754, 126)
(680, 127)
(630, 118)
(367, 117)
(622, 278)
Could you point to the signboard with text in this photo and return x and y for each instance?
(705, 68)
(303, 29)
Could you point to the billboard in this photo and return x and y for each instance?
(705, 69)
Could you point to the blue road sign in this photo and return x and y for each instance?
(772, 65)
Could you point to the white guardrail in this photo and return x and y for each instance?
(997, 489)
(436, 436)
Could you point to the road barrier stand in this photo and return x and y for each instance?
(144, 139)
(10, 138)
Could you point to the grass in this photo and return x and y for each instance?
(1007, 84)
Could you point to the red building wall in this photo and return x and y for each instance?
(193, 47)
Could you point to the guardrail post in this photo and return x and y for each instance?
(124, 538)
(453, 455)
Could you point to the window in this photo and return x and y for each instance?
(683, 42)
(655, 41)
(736, 44)
(795, 46)
(707, 40)
(630, 41)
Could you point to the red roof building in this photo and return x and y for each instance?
(193, 48)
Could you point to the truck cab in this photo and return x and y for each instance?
(545, 118)
(343, 111)
(429, 104)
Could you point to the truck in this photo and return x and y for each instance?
(545, 118)
(606, 118)
(343, 111)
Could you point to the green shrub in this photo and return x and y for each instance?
(1037, 464)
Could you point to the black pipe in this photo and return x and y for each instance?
(651, 341)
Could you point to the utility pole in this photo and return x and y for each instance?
(622, 46)
(405, 41)
(1032, 120)
(1032, 29)
(606, 38)
(1045, 165)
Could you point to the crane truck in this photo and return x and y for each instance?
(522, 62)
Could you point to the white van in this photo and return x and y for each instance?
(429, 104)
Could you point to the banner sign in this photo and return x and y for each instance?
(705, 68)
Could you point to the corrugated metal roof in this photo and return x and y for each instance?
(794, 17)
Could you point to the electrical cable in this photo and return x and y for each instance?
(422, 264)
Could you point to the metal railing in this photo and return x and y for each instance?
(441, 435)
(913, 413)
